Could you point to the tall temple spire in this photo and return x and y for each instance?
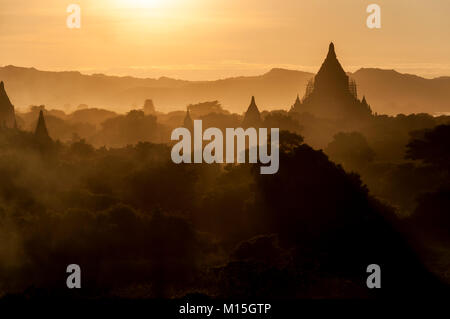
(3, 94)
(252, 117)
(332, 94)
(7, 116)
(41, 131)
(331, 78)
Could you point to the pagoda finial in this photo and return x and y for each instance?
(331, 52)
(253, 106)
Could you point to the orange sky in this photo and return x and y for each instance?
(210, 39)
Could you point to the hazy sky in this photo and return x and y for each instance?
(209, 39)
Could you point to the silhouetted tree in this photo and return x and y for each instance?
(431, 146)
(432, 215)
(350, 149)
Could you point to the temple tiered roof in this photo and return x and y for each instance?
(331, 93)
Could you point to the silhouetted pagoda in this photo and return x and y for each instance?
(149, 107)
(297, 102)
(41, 131)
(331, 93)
(252, 117)
(188, 123)
(7, 115)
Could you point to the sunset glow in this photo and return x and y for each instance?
(204, 39)
(224, 158)
(140, 4)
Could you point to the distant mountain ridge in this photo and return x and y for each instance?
(387, 91)
(391, 92)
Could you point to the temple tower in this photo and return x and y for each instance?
(332, 94)
(7, 115)
(188, 122)
(41, 131)
(252, 117)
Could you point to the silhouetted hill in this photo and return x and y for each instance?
(275, 89)
(29, 86)
(387, 91)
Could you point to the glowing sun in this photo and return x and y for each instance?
(139, 4)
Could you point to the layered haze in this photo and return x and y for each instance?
(387, 91)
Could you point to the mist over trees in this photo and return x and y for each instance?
(142, 226)
(99, 189)
(388, 91)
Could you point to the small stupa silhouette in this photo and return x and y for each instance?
(297, 102)
(252, 117)
(149, 107)
(188, 123)
(41, 131)
(7, 115)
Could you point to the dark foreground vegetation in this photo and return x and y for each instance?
(142, 227)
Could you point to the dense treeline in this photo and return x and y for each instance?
(141, 226)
